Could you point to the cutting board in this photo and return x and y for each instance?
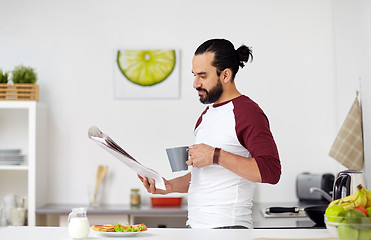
(284, 215)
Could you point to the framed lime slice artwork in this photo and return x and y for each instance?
(146, 73)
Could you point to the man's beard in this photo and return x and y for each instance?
(213, 95)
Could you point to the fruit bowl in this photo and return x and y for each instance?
(359, 228)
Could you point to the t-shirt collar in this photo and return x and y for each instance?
(215, 105)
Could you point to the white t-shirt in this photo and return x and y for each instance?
(218, 197)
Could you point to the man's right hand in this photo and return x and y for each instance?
(151, 188)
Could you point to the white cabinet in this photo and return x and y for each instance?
(23, 126)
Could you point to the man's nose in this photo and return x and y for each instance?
(196, 83)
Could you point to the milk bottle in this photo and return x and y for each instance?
(78, 224)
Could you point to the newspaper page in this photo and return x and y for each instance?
(107, 143)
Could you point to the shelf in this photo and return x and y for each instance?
(14, 167)
(17, 104)
(23, 127)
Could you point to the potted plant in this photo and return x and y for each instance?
(22, 74)
(3, 76)
(22, 84)
(3, 84)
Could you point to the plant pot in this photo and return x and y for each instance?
(20, 92)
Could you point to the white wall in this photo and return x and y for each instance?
(71, 43)
(353, 72)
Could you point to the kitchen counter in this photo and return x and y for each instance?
(132, 213)
(56, 233)
(63, 209)
(56, 214)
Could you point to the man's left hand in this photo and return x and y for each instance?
(200, 155)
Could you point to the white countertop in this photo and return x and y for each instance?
(259, 220)
(56, 233)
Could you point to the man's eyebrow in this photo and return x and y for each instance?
(199, 73)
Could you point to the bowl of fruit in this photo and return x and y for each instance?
(349, 218)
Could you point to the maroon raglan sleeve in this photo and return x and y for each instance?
(200, 118)
(253, 132)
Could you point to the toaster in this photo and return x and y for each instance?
(305, 181)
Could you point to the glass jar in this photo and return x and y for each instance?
(134, 197)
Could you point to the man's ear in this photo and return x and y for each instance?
(226, 75)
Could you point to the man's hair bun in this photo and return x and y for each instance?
(244, 54)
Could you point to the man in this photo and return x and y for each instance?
(233, 148)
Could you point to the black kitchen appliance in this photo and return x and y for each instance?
(346, 183)
(309, 186)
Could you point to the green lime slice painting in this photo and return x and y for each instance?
(146, 73)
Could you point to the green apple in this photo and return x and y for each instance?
(346, 232)
(368, 211)
(335, 213)
(353, 216)
(364, 234)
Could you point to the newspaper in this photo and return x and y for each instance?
(107, 143)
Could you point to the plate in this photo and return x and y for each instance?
(11, 157)
(10, 162)
(116, 234)
(10, 151)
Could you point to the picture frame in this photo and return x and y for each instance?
(146, 74)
